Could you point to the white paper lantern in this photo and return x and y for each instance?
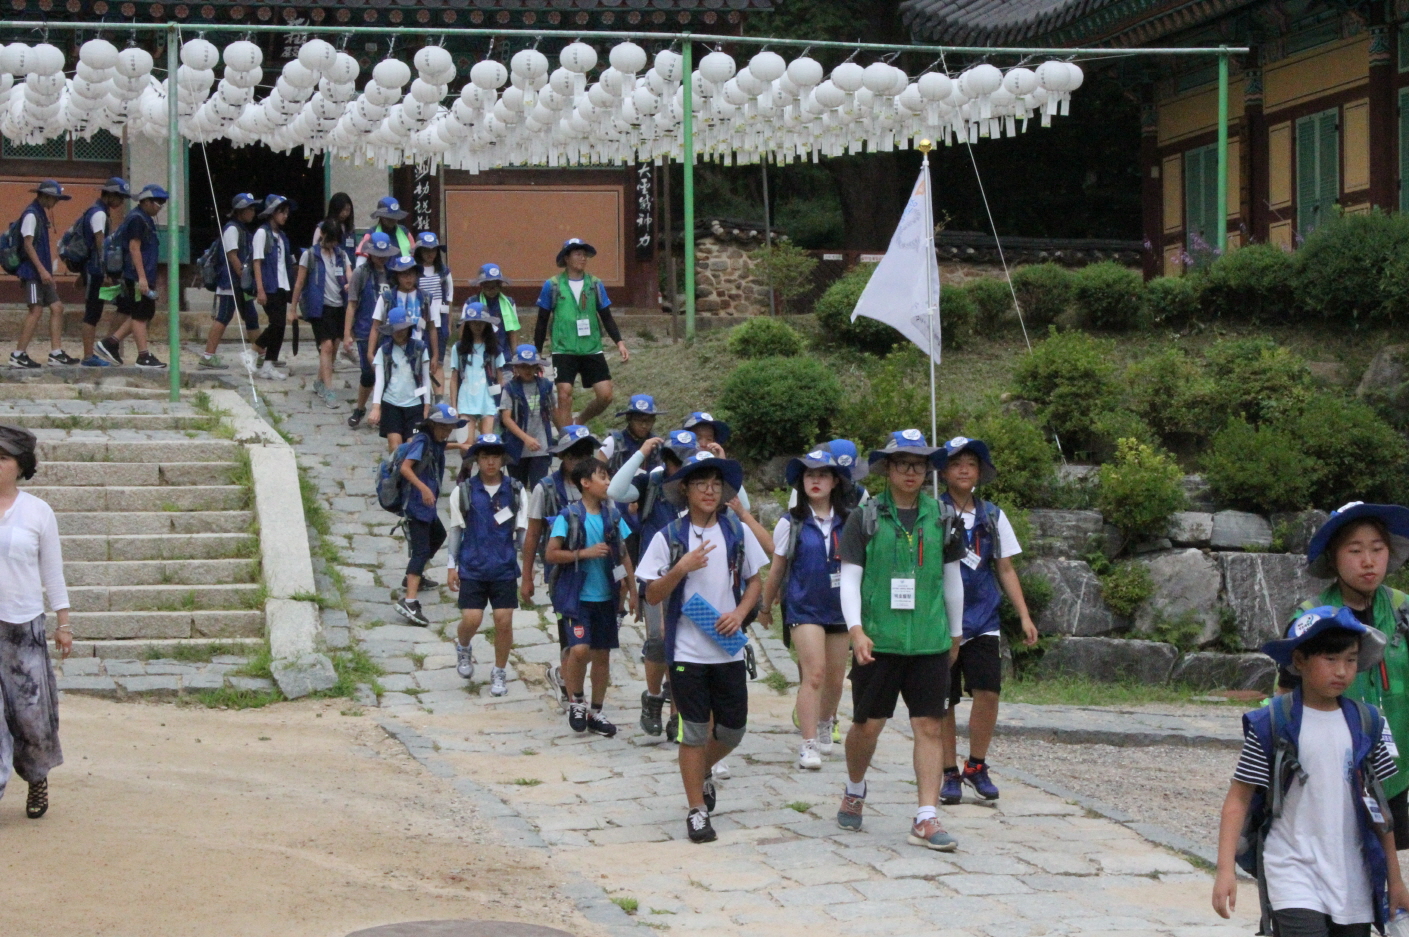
(425, 92)
(299, 75)
(767, 66)
(489, 75)
(848, 76)
(578, 58)
(344, 69)
(911, 99)
(876, 77)
(981, 80)
(317, 55)
(391, 73)
(435, 62)
(718, 67)
(613, 82)
(627, 58)
(47, 59)
(1075, 76)
(197, 54)
(1020, 81)
(380, 95)
(563, 82)
(134, 62)
(829, 95)
(805, 72)
(935, 86)
(530, 63)
(98, 54)
(243, 55)
(1054, 77)
(670, 65)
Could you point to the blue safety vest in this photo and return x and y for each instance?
(41, 243)
(982, 596)
(430, 469)
(269, 273)
(487, 551)
(567, 579)
(518, 410)
(810, 597)
(316, 281)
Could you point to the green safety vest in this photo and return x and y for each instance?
(403, 238)
(508, 315)
(566, 313)
(894, 553)
(1391, 700)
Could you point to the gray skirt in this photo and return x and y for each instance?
(29, 698)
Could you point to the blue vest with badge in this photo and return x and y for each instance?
(982, 596)
(370, 281)
(810, 597)
(565, 580)
(487, 551)
(316, 281)
(268, 266)
(430, 469)
(677, 538)
(518, 409)
(41, 243)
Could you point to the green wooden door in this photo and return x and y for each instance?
(1317, 169)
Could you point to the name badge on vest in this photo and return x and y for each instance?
(836, 580)
(1372, 805)
(1387, 737)
(619, 573)
(494, 390)
(971, 560)
(902, 594)
(437, 311)
(584, 328)
(502, 515)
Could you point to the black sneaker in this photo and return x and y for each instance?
(577, 716)
(61, 358)
(110, 348)
(355, 420)
(19, 359)
(650, 712)
(599, 724)
(672, 728)
(711, 798)
(426, 583)
(411, 611)
(698, 826)
(148, 360)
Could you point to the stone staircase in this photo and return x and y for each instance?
(154, 512)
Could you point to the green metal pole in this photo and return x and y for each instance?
(173, 214)
(688, 160)
(1221, 217)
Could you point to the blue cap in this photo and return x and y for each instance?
(427, 239)
(848, 458)
(489, 272)
(1322, 564)
(1323, 618)
(389, 208)
(640, 405)
(986, 471)
(50, 187)
(379, 245)
(117, 186)
(272, 203)
(474, 311)
(699, 461)
(817, 458)
(400, 263)
(242, 201)
(526, 354)
(397, 319)
(153, 191)
(701, 418)
(486, 441)
(574, 244)
(682, 442)
(571, 436)
(445, 414)
(909, 442)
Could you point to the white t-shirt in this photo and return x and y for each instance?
(535, 500)
(31, 223)
(1007, 542)
(230, 240)
(97, 222)
(693, 646)
(276, 255)
(785, 525)
(1312, 855)
(576, 287)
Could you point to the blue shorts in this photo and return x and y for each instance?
(597, 627)
(225, 311)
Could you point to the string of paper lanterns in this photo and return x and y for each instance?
(528, 113)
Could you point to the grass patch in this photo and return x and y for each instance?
(353, 667)
(488, 634)
(629, 905)
(801, 806)
(260, 660)
(194, 653)
(351, 711)
(776, 682)
(241, 472)
(171, 508)
(257, 598)
(528, 751)
(1081, 691)
(527, 782)
(317, 598)
(247, 548)
(314, 513)
(231, 698)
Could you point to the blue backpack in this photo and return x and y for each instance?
(391, 484)
(10, 243)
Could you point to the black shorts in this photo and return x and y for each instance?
(400, 420)
(597, 628)
(225, 307)
(92, 302)
(132, 303)
(39, 293)
(592, 368)
(922, 680)
(718, 690)
(828, 629)
(979, 667)
(1399, 810)
(503, 593)
(329, 326)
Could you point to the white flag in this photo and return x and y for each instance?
(903, 291)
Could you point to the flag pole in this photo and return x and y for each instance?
(932, 301)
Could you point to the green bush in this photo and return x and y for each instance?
(958, 317)
(779, 405)
(1170, 392)
(1252, 283)
(1359, 456)
(1125, 587)
(1025, 460)
(834, 308)
(1070, 376)
(1171, 300)
(1109, 427)
(788, 268)
(1258, 468)
(1338, 272)
(1140, 488)
(1107, 296)
(1044, 293)
(1257, 379)
(993, 303)
(765, 337)
(898, 396)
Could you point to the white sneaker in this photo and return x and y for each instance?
(498, 682)
(824, 737)
(555, 677)
(808, 758)
(464, 662)
(249, 359)
(270, 373)
(720, 771)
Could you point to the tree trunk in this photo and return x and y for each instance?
(872, 198)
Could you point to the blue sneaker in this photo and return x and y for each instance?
(952, 792)
(976, 776)
(849, 814)
(93, 361)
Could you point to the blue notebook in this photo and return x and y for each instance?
(704, 615)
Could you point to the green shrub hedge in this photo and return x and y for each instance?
(1140, 489)
(1256, 379)
(1107, 296)
(765, 337)
(992, 300)
(1070, 376)
(1258, 468)
(1170, 392)
(1026, 461)
(1044, 292)
(834, 308)
(1252, 283)
(1358, 456)
(1339, 273)
(1171, 301)
(779, 405)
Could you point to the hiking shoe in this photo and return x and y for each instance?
(711, 796)
(650, 712)
(555, 677)
(849, 813)
(976, 776)
(411, 611)
(720, 772)
(577, 717)
(499, 683)
(62, 358)
(19, 359)
(698, 826)
(319, 387)
(270, 373)
(952, 791)
(93, 361)
(355, 420)
(148, 360)
(836, 731)
(249, 359)
(426, 582)
(824, 737)
(931, 835)
(464, 661)
(213, 363)
(599, 724)
(808, 758)
(330, 399)
(109, 348)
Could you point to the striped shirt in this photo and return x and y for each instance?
(438, 287)
(1255, 768)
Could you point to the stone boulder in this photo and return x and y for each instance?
(1063, 533)
(1262, 589)
(767, 476)
(300, 676)
(1297, 528)
(1209, 670)
(1187, 583)
(768, 511)
(1077, 606)
(1190, 529)
(1385, 383)
(1238, 530)
(1110, 660)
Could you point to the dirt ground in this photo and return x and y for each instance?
(293, 820)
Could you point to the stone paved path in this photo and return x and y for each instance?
(611, 812)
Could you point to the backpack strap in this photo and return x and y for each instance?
(870, 518)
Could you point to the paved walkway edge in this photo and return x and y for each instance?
(1135, 738)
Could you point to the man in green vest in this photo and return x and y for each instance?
(903, 600)
(386, 215)
(491, 292)
(578, 306)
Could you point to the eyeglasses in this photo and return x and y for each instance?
(712, 485)
(910, 467)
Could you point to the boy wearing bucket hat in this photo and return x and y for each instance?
(423, 467)
(987, 568)
(485, 510)
(902, 595)
(386, 215)
(1358, 547)
(401, 392)
(622, 444)
(580, 311)
(403, 293)
(1309, 779)
(234, 281)
(703, 568)
(95, 225)
(490, 283)
(36, 274)
(141, 253)
(273, 259)
(369, 280)
(526, 407)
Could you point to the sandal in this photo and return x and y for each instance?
(38, 802)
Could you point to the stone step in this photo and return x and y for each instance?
(101, 547)
(160, 572)
(143, 498)
(99, 449)
(174, 647)
(225, 623)
(110, 389)
(134, 473)
(138, 598)
(106, 421)
(152, 523)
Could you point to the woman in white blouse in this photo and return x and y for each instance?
(31, 565)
